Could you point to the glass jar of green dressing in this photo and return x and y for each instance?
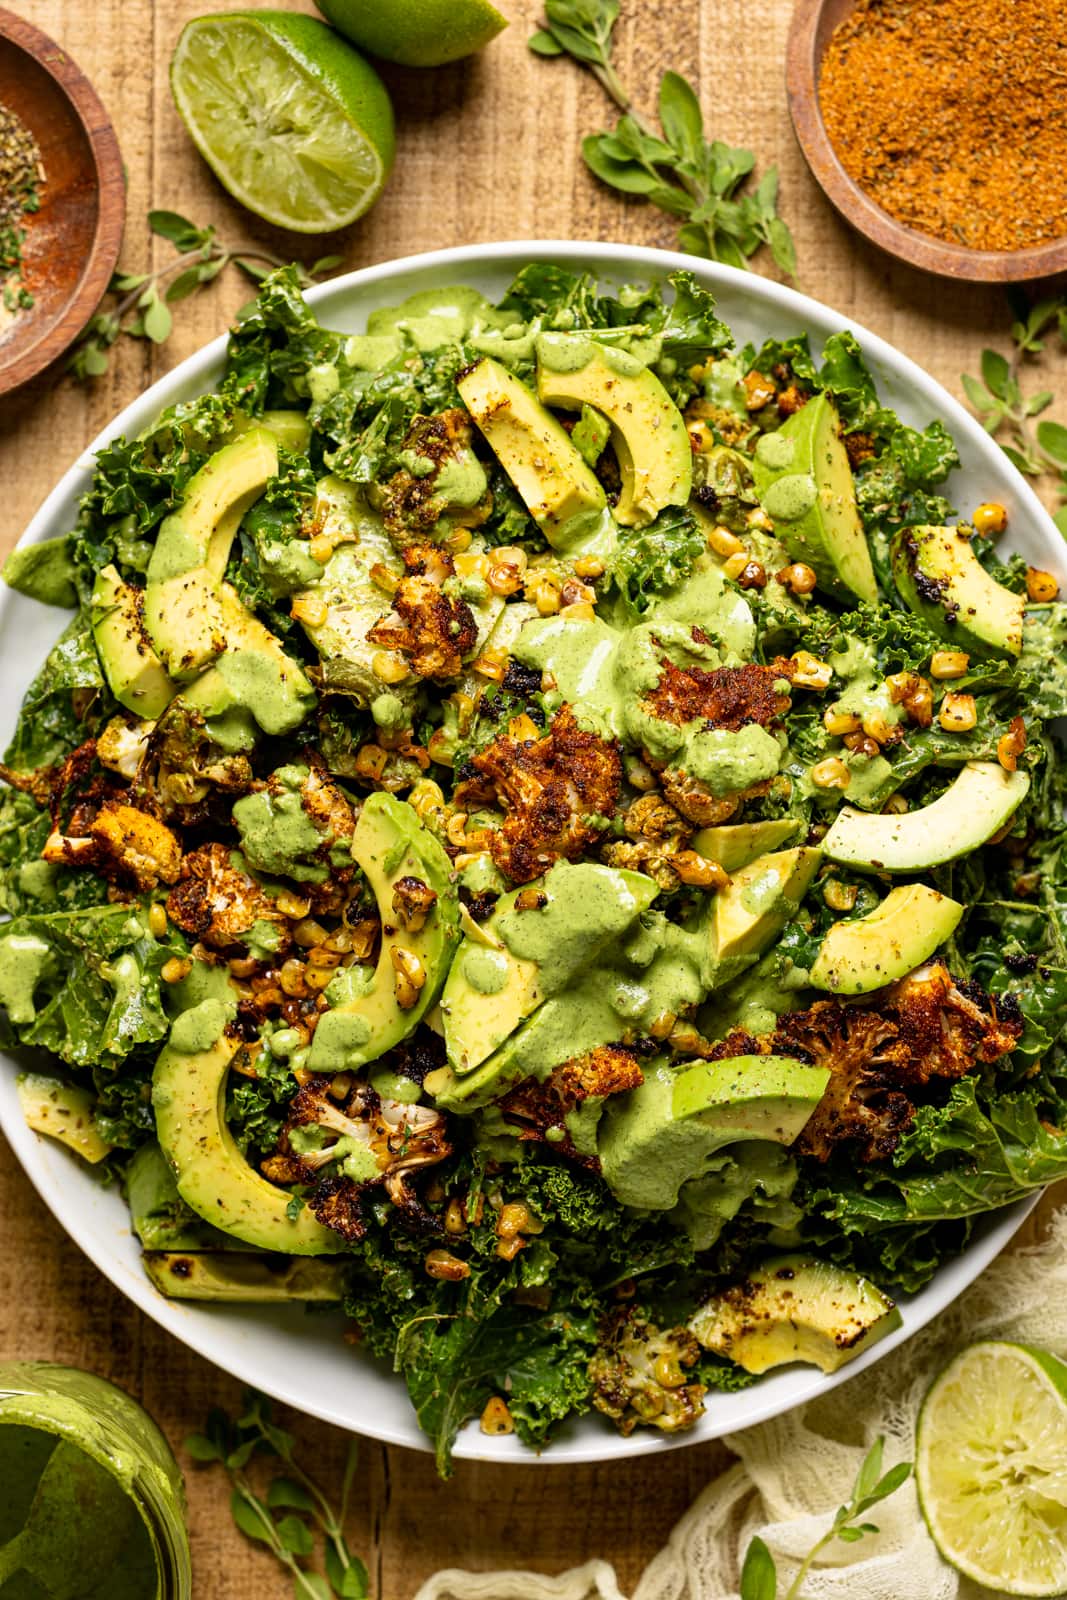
(92, 1503)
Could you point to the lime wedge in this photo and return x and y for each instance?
(295, 124)
(417, 33)
(991, 1467)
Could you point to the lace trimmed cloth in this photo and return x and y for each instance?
(794, 1471)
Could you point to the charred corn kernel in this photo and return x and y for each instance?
(589, 567)
(319, 956)
(309, 933)
(370, 761)
(504, 579)
(1041, 586)
(862, 744)
(949, 663)
(513, 1218)
(443, 1264)
(877, 728)
(901, 685)
(830, 774)
(808, 672)
(320, 548)
(409, 976)
(896, 805)
(242, 967)
(174, 970)
(512, 555)
(530, 900)
(990, 518)
(639, 776)
(309, 608)
(455, 1222)
(758, 519)
(1011, 745)
(456, 828)
(522, 729)
(460, 539)
(958, 713)
(759, 390)
(292, 905)
(579, 611)
(270, 995)
(920, 705)
(798, 578)
(697, 871)
(839, 896)
(839, 723)
(492, 664)
(387, 581)
(723, 542)
(388, 667)
(662, 1026)
(668, 1373)
(735, 565)
(753, 575)
(508, 1249)
(548, 600)
(686, 1039)
(473, 564)
(291, 978)
(157, 920)
(340, 1086)
(318, 978)
(496, 1418)
(700, 436)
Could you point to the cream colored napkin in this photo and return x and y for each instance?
(796, 1470)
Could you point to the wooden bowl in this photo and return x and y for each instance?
(813, 23)
(72, 243)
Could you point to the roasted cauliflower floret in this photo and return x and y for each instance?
(726, 697)
(442, 481)
(432, 630)
(120, 842)
(655, 832)
(123, 746)
(356, 1145)
(217, 901)
(539, 1110)
(552, 790)
(639, 1375)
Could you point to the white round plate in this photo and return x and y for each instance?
(302, 1360)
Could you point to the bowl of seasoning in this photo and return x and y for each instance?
(938, 128)
(62, 200)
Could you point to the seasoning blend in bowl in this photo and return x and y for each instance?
(21, 177)
(939, 127)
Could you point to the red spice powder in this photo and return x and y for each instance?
(952, 115)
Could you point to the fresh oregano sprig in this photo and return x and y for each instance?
(1004, 409)
(141, 309)
(677, 169)
(759, 1575)
(294, 1515)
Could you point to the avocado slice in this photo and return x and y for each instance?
(942, 580)
(795, 1308)
(737, 844)
(213, 1177)
(559, 489)
(804, 481)
(291, 428)
(246, 1279)
(648, 431)
(62, 1111)
(367, 1016)
(181, 608)
(972, 809)
(135, 674)
(864, 953)
(757, 903)
(660, 1135)
(521, 956)
(160, 1217)
(252, 677)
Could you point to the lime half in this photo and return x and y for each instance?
(991, 1467)
(295, 124)
(417, 33)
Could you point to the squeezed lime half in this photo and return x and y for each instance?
(295, 124)
(991, 1467)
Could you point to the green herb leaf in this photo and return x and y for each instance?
(287, 1494)
(759, 1576)
(996, 373)
(201, 1448)
(250, 1516)
(295, 1536)
(543, 43)
(1052, 437)
(680, 115)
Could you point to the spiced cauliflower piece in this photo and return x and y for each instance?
(217, 901)
(553, 790)
(430, 628)
(639, 1375)
(124, 844)
(539, 1110)
(441, 484)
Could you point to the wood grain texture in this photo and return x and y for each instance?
(488, 149)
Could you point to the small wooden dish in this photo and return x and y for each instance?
(72, 243)
(813, 23)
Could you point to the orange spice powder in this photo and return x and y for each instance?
(952, 115)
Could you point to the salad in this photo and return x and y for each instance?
(544, 829)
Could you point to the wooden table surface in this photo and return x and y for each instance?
(488, 150)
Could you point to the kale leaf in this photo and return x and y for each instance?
(651, 560)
